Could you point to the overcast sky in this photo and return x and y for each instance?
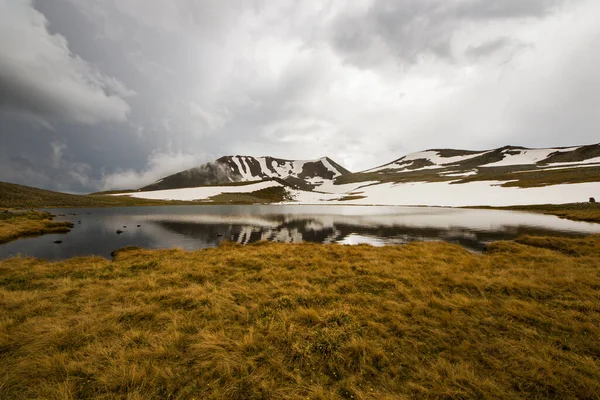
(104, 94)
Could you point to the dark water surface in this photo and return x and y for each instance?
(197, 227)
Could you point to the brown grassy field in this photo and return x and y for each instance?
(282, 321)
(589, 212)
(16, 224)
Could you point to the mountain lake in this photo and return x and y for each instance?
(197, 227)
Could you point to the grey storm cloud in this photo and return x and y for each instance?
(492, 46)
(105, 94)
(41, 78)
(408, 29)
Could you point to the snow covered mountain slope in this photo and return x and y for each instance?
(502, 157)
(440, 177)
(513, 166)
(302, 174)
(506, 176)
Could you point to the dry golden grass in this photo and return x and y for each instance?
(589, 212)
(579, 215)
(16, 224)
(279, 321)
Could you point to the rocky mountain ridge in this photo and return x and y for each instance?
(231, 170)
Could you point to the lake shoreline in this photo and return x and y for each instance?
(588, 212)
(101, 230)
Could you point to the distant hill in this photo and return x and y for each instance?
(502, 157)
(20, 196)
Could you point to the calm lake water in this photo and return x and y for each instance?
(197, 227)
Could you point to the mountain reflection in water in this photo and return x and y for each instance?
(197, 227)
(313, 230)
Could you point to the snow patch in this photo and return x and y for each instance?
(199, 193)
(459, 174)
(298, 166)
(489, 193)
(263, 166)
(240, 169)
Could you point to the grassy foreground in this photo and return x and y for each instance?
(281, 321)
(16, 224)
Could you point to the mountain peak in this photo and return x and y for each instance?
(240, 168)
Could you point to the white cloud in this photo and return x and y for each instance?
(160, 164)
(41, 78)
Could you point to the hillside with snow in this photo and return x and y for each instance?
(509, 156)
(439, 177)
